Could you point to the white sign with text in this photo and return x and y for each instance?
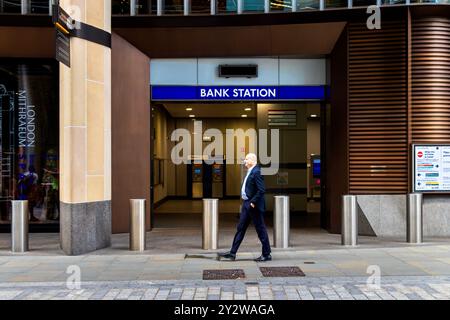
(431, 168)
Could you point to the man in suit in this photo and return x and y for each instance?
(253, 208)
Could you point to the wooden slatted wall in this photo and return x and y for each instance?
(377, 102)
(431, 80)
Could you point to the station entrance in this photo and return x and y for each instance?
(294, 159)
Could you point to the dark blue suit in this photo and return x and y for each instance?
(254, 190)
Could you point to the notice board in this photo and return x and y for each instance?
(431, 168)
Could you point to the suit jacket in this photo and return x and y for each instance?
(255, 189)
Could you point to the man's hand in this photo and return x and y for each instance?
(252, 205)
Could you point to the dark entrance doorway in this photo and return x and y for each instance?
(178, 190)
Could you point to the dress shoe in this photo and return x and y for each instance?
(227, 256)
(263, 258)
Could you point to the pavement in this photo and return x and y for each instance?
(340, 288)
(375, 269)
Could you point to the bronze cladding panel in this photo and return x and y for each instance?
(27, 42)
(130, 131)
(336, 136)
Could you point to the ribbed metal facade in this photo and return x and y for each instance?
(377, 102)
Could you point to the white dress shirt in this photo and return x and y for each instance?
(243, 195)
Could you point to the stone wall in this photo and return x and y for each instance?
(385, 215)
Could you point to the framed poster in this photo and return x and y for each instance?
(431, 168)
(282, 178)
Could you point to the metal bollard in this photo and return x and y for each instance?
(281, 224)
(19, 226)
(414, 218)
(210, 232)
(137, 225)
(349, 226)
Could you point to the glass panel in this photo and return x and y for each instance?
(174, 7)
(364, 3)
(280, 5)
(336, 3)
(393, 2)
(308, 4)
(120, 6)
(144, 7)
(201, 6)
(29, 140)
(39, 6)
(161, 171)
(10, 6)
(254, 5)
(226, 6)
(156, 171)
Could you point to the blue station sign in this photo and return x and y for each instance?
(238, 93)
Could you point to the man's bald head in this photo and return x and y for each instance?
(250, 160)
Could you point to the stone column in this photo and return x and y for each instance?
(85, 135)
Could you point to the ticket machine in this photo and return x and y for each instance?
(217, 180)
(206, 180)
(315, 174)
(197, 180)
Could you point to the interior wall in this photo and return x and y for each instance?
(163, 126)
(306, 136)
(313, 139)
(312, 145)
(177, 179)
(159, 151)
(171, 168)
(293, 155)
(130, 131)
(233, 171)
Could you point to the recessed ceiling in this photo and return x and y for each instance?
(211, 110)
(303, 39)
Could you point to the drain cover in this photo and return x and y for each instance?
(223, 274)
(200, 256)
(281, 272)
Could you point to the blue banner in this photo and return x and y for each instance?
(239, 93)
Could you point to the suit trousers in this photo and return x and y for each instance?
(257, 216)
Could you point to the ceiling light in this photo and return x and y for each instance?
(192, 116)
(244, 116)
(188, 109)
(248, 109)
(314, 116)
